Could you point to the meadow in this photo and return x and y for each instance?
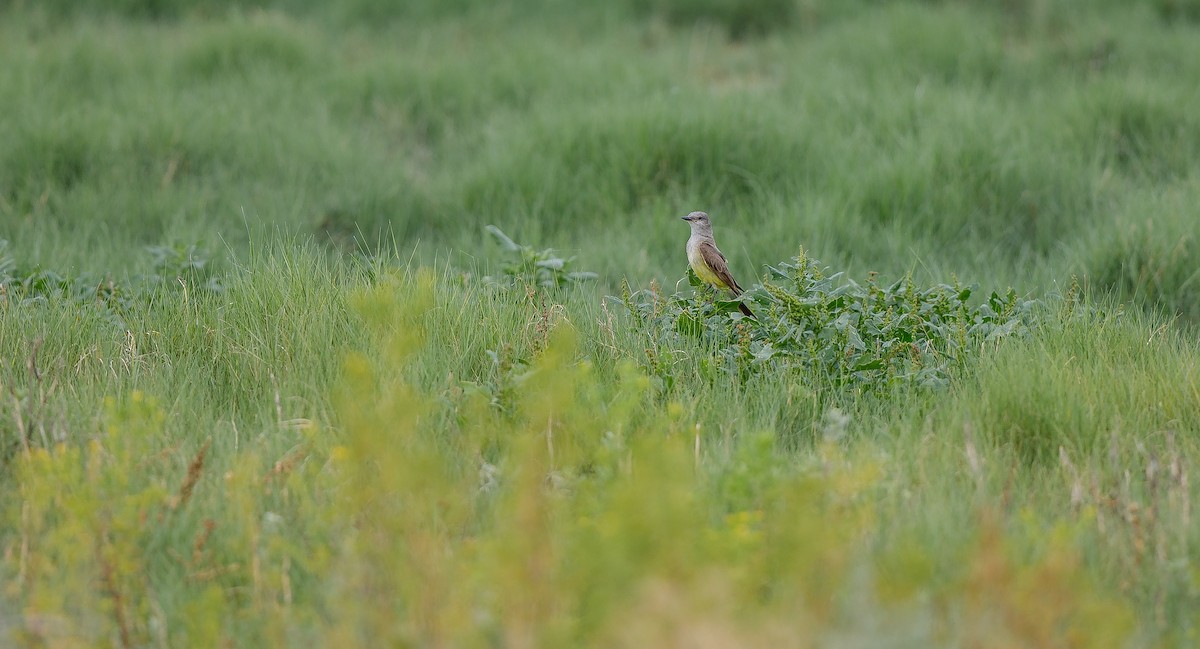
(268, 378)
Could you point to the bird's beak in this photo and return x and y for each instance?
(686, 218)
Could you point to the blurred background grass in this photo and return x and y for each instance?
(1013, 143)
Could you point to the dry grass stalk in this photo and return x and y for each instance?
(193, 476)
(109, 586)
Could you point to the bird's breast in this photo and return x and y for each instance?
(699, 266)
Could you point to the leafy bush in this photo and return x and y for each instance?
(36, 285)
(183, 264)
(835, 332)
(542, 269)
(175, 267)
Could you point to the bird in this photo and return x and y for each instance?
(706, 259)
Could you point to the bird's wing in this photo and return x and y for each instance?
(716, 261)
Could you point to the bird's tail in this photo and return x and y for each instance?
(746, 310)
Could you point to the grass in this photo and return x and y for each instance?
(267, 380)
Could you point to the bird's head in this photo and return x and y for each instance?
(699, 221)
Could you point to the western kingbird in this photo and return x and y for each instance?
(706, 259)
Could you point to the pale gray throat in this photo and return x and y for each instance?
(700, 234)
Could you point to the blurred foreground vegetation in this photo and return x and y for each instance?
(266, 379)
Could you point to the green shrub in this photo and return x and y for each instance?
(831, 332)
(539, 269)
(176, 267)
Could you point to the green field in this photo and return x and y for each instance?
(268, 380)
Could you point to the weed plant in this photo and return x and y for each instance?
(834, 332)
(539, 269)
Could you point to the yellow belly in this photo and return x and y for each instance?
(696, 260)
